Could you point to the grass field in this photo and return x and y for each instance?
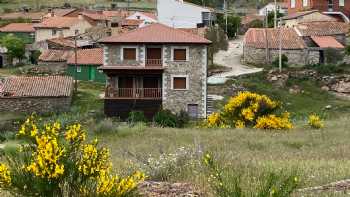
(15, 4)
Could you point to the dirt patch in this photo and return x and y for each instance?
(165, 189)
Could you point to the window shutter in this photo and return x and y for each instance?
(180, 54)
(179, 83)
(129, 54)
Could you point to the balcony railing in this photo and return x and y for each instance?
(134, 93)
(154, 62)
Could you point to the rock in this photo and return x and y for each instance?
(274, 78)
(295, 90)
(165, 189)
(325, 88)
(328, 107)
(341, 86)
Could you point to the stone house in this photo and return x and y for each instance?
(155, 67)
(88, 60)
(55, 60)
(261, 46)
(33, 17)
(294, 19)
(55, 27)
(36, 94)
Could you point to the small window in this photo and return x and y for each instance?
(129, 53)
(180, 83)
(192, 110)
(78, 69)
(292, 3)
(54, 32)
(180, 54)
(138, 17)
(305, 2)
(341, 3)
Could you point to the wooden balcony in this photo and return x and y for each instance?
(154, 62)
(134, 93)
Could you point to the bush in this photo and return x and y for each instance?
(327, 69)
(182, 119)
(250, 110)
(58, 161)
(165, 118)
(105, 126)
(136, 116)
(276, 62)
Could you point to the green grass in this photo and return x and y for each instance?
(311, 100)
(321, 156)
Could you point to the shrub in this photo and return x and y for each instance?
(136, 116)
(250, 110)
(105, 126)
(315, 121)
(59, 161)
(326, 69)
(165, 118)
(182, 119)
(270, 184)
(276, 63)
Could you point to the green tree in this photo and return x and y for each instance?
(271, 18)
(218, 38)
(233, 24)
(15, 47)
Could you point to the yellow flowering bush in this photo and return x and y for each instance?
(58, 161)
(249, 109)
(315, 121)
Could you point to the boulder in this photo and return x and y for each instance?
(341, 86)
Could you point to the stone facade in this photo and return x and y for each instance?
(195, 69)
(296, 57)
(114, 55)
(55, 67)
(35, 104)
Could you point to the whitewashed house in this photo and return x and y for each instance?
(270, 7)
(146, 17)
(181, 14)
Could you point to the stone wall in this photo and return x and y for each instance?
(196, 71)
(258, 56)
(114, 55)
(54, 67)
(35, 104)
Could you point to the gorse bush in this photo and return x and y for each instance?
(270, 184)
(315, 121)
(250, 110)
(58, 161)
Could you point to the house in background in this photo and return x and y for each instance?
(33, 17)
(63, 12)
(88, 60)
(282, 8)
(155, 67)
(182, 14)
(146, 17)
(36, 94)
(55, 27)
(55, 60)
(25, 31)
(293, 19)
(337, 8)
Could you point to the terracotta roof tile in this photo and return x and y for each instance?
(322, 28)
(64, 11)
(25, 15)
(58, 22)
(151, 15)
(88, 57)
(327, 42)
(156, 33)
(95, 16)
(18, 27)
(52, 86)
(131, 22)
(119, 14)
(261, 37)
(51, 55)
(298, 14)
(64, 42)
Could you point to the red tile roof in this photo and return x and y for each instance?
(262, 37)
(64, 11)
(119, 14)
(64, 42)
(51, 55)
(58, 22)
(25, 15)
(131, 22)
(298, 14)
(156, 33)
(327, 42)
(322, 28)
(151, 15)
(88, 57)
(52, 86)
(95, 16)
(18, 27)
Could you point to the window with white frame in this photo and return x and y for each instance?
(180, 54)
(342, 3)
(305, 2)
(179, 82)
(292, 3)
(78, 69)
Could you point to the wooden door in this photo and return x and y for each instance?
(192, 110)
(92, 73)
(154, 57)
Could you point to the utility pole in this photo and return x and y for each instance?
(76, 64)
(280, 47)
(275, 14)
(225, 10)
